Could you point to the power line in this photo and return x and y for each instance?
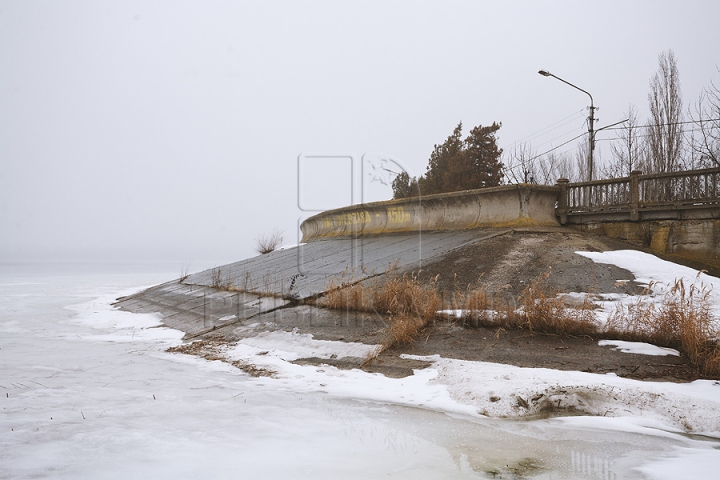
(559, 136)
(555, 148)
(553, 126)
(549, 128)
(525, 162)
(645, 135)
(668, 124)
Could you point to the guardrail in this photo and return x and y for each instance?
(637, 194)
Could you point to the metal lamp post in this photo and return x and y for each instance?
(591, 121)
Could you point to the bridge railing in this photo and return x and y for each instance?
(676, 190)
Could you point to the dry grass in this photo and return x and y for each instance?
(409, 303)
(403, 330)
(406, 296)
(217, 277)
(268, 243)
(477, 299)
(184, 272)
(476, 305)
(543, 311)
(682, 320)
(483, 308)
(396, 296)
(412, 304)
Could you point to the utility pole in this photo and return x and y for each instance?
(591, 133)
(591, 121)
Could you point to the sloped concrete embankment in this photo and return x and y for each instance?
(350, 245)
(270, 287)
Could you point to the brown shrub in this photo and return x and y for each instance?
(268, 243)
(344, 296)
(410, 304)
(543, 311)
(403, 330)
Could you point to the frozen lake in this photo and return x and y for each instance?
(84, 396)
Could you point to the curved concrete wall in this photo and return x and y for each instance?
(506, 206)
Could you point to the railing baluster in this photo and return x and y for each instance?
(644, 191)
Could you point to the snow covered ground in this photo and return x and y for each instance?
(655, 273)
(639, 348)
(89, 392)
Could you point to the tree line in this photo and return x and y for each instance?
(673, 138)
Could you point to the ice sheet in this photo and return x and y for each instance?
(91, 393)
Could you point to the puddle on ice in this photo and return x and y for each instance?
(82, 402)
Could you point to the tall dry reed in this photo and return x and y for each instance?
(682, 320)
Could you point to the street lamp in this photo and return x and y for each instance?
(591, 121)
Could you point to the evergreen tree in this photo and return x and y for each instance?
(403, 186)
(479, 164)
(441, 161)
(457, 165)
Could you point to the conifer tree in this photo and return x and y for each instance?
(457, 164)
(403, 186)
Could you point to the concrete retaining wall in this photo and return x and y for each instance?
(506, 206)
(697, 240)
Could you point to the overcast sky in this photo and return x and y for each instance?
(182, 131)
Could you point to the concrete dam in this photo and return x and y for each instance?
(502, 235)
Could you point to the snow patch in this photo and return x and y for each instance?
(639, 348)
(120, 326)
(649, 269)
(506, 391)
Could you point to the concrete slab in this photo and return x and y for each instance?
(305, 271)
(268, 288)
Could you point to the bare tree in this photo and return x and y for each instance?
(521, 164)
(554, 166)
(524, 165)
(628, 152)
(581, 163)
(664, 130)
(706, 143)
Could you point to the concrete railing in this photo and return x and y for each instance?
(505, 206)
(675, 195)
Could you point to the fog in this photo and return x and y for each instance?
(181, 131)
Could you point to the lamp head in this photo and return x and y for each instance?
(544, 73)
